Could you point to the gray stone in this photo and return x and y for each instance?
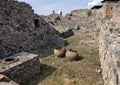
(19, 71)
(20, 27)
(109, 50)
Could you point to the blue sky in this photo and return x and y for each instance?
(45, 7)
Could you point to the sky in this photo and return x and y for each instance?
(46, 7)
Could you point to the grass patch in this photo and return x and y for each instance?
(59, 71)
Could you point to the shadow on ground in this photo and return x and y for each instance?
(44, 51)
(47, 50)
(45, 71)
(80, 58)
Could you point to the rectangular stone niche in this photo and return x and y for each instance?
(27, 65)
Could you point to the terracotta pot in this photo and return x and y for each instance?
(71, 55)
(2, 76)
(59, 51)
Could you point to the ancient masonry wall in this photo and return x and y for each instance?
(27, 66)
(78, 21)
(23, 30)
(111, 10)
(110, 52)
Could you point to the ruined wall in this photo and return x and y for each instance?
(98, 13)
(109, 51)
(116, 12)
(111, 10)
(22, 30)
(78, 21)
(80, 12)
(108, 10)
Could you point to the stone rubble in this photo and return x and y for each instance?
(20, 27)
(77, 21)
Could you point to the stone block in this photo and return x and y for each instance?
(19, 71)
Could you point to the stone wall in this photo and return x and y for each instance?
(21, 70)
(80, 12)
(109, 51)
(77, 20)
(98, 13)
(22, 30)
(111, 10)
(116, 12)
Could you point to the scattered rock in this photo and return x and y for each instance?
(98, 70)
(84, 42)
(20, 27)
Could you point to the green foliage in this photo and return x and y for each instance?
(89, 12)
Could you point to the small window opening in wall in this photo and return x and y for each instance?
(111, 8)
(117, 79)
(36, 23)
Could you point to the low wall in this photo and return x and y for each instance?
(109, 51)
(7, 81)
(21, 70)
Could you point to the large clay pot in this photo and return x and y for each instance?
(60, 51)
(71, 55)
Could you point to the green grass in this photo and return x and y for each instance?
(89, 12)
(59, 71)
(74, 40)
